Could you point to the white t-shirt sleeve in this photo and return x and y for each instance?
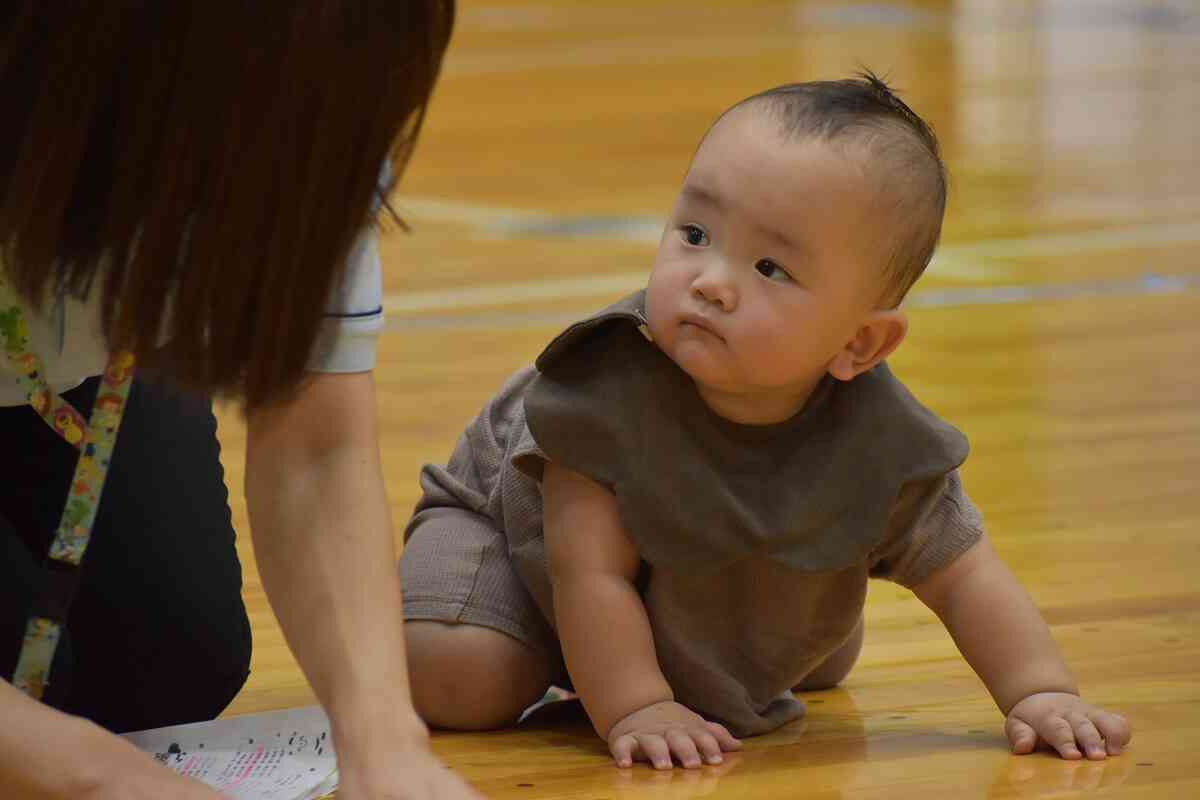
(354, 315)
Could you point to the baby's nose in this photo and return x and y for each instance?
(717, 290)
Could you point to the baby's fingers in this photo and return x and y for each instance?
(1114, 728)
(724, 738)
(710, 748)
(1059, 734)
(1088, 737)
(622, 750)
(1021, 736)
(654, 749)
(684, 749)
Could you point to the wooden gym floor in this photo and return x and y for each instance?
(1057, 327)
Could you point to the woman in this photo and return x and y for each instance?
(187, 192)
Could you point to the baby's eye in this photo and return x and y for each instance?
(772, 271)
(694, 235)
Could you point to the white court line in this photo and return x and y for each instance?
(432, 209)
(511, 223)
(505, 222)
(953, 297)
(974, 261)
(512, 293)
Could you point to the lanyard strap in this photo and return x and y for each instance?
(94, 440)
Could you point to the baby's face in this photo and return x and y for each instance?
(768, 264)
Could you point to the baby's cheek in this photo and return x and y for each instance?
(769, 349)
(697, 360)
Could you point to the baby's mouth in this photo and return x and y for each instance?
(696, 321)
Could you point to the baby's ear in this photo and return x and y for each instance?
(876, 339)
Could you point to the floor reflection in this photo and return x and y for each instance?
(1046, 775)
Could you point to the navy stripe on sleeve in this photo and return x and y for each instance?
(355, 315)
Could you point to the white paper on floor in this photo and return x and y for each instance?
(277, 755)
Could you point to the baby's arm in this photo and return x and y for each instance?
(605, 632)
(1002, 635)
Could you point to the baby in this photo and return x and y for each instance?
(677, 510)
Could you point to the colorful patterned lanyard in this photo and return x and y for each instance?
(94, 440)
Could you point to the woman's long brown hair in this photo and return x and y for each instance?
(206, 165)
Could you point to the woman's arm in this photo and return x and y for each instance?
(1003, 637)
(322, 536)
(48, 755)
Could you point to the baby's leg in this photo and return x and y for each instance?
(832, 670)
(478, 648)
(467, 677)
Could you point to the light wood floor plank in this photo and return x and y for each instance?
(1070, 129)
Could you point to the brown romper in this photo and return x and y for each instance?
(757, 541)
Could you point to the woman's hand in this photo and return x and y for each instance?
(383, 754)
(98, 765)
(662, 730)
(411, 774)
(1067, 724)
(149, 781)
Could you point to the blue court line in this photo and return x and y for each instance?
(955, 297)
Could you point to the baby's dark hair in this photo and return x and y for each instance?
(865, 112)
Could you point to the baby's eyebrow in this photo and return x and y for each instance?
(783, 240)
(700, 194)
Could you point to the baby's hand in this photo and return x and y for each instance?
(1066, 723)
(657, 732)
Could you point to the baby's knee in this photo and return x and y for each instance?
(830, 672)
(467, 677)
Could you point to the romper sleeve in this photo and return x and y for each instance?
(932, 524)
